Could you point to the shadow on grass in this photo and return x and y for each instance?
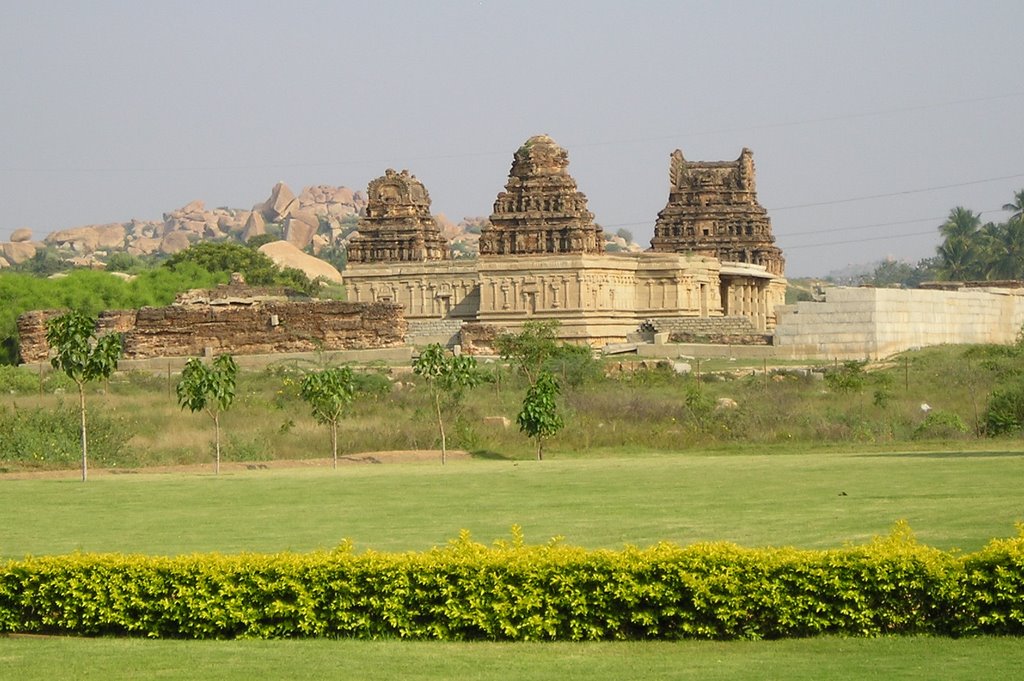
(945, 455)
(489, 455)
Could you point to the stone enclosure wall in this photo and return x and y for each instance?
(860, 323)
(261, 327)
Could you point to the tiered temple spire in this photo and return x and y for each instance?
(397, 225)
(541, 211)
(712, 209)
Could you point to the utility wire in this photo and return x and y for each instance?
(469, 154)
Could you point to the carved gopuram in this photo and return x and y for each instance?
(541, 211)
(713, 210)
(397, 226)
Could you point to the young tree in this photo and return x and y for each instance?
(210, 389)
(327, 393)
(447, 375)
(539, 417)
(83, 357)
(529, 349)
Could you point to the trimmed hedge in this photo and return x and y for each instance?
(516, 592)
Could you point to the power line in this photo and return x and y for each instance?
(900, 193)
(859, 241)
(468, 154)
(807, 121)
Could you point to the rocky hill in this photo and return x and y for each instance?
(319, 217)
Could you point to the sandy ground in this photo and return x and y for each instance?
(363, 458)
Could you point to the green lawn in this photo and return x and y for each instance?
(811, 500)
(808, 500)
(29, 659)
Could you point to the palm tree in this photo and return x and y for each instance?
(1004, 250)
(957, 260)
(1016, 207)
(959, 253)
(961, 224)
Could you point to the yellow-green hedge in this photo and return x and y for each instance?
(516, 592)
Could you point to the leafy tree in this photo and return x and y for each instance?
(45, 262)
(226, 257)
(529, 349)
(83, 357)
(210, 389)
(625, 234)
(328, 392)
(449, 376)
(539, 417)
(848, 378)
(124, 262)
(255, 242)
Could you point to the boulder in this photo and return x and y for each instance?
(90, 238)
(300, 228)
(17, 253)
(280, 203)
(320, 242)
(174, 242)
(197, 206)
(284, 254)
(20, 235)
(144, 245)
(501, 421)
(254, 226)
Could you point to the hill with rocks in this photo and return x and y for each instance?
(320, 217)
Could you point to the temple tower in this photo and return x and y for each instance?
(713, 210)
(541, 211)
(397, 226)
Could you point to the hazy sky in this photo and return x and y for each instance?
(120, 110)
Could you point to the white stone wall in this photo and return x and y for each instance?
(868, 323)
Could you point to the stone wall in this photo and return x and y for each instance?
(859, 323)
(263, 327)
(427, 331)
(722, 330)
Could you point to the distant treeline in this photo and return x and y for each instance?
(970, 251)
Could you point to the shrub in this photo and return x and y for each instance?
(848, 378)
(467, 591)
(1005, 413)
(50, 436)
(18, 380)
(940, 424)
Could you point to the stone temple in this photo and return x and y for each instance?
(712, 262)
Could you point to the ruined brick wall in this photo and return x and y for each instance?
(32, 345)
(478, 339)
(259, 328)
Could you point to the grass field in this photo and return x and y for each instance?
(808, 500)
(795, 465)
(32, 659)
(951, 499)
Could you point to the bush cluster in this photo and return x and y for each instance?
(51, 436)
(468, 591)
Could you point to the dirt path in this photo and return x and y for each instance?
(363, 458)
